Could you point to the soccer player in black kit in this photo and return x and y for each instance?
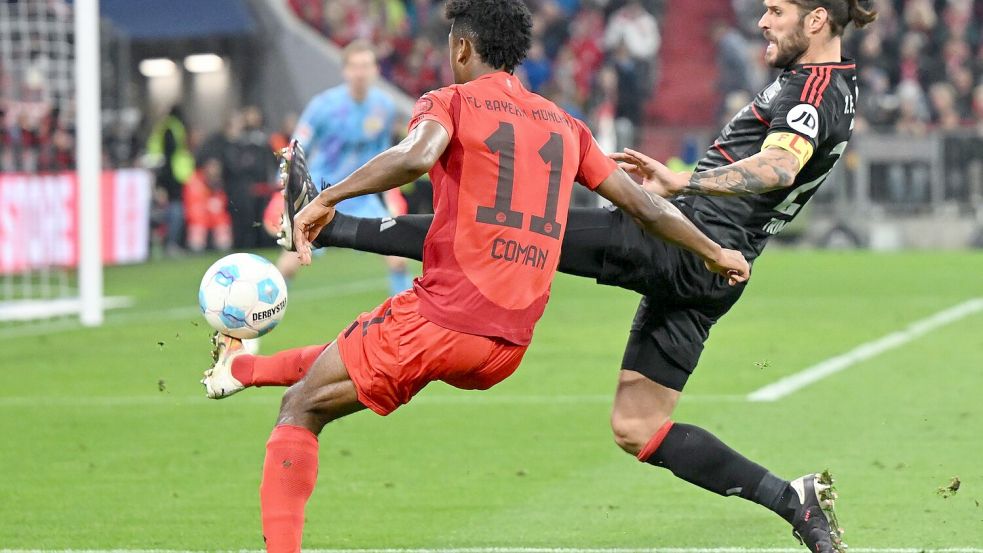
(764, 166)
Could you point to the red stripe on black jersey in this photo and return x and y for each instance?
(821, 89)
(809, 83)
(820, 77)
(754, 110)
(723, 152)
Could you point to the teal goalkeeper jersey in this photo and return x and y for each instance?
(340, 135)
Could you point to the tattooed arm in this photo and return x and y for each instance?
(770, 169)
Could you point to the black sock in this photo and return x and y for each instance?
(581, 254)
(699, 458)
(402, 236)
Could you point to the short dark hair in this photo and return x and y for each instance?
(501, 30)
(841, 12)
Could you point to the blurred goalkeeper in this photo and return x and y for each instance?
(755, 178)
(341, 129)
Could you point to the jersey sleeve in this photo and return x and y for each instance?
(803, 114)
(434, 106)
(594, 165)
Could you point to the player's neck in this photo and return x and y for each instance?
(482, 70)
(828, 52)
(358, 96)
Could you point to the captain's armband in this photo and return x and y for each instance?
(792, 143)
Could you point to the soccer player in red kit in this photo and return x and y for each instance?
(489, 258)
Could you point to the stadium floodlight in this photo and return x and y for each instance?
(157, 67)
(203, 63)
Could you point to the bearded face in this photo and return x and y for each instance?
(783, 27)
(784, 49)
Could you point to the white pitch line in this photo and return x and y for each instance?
(190, 312)
(525, 550)
(793, 383)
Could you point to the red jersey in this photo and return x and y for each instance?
(501, 195)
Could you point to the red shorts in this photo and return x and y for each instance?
(393, 352)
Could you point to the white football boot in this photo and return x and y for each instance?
(219, 382)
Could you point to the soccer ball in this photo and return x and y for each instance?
(243, 295)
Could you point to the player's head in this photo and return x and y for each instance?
(791, 27)
(487, 35)
(360, 68)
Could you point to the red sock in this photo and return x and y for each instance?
(289, 475)
(282, 369)
(654, 442)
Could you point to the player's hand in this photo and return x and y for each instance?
(308, 223)
(731, 264)
(656, 177)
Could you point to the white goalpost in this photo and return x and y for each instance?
(89, 159)
(51, 220)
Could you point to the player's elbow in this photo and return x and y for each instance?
(784, 178)
(419, 158)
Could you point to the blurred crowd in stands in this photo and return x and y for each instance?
(35, 135)
(594, 58)
(921, 64)
(213, 190)
(920, 69)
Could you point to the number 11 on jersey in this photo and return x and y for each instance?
(502, 142)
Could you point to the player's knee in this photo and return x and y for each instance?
(298, 409)
(628, 434)
(633, 434)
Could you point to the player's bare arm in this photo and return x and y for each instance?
(661, 218)
(773, 168)
(404, 162)
(770, 169)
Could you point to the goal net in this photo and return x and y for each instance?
(51, 188)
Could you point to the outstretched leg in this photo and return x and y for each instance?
(325, 394)
(582, 252)
(640, 420)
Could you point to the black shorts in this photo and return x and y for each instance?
(682, 300)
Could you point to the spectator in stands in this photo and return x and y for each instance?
(634, 28)
(943, 102)
(536, 70)
(418, 71)
(280, 138)
(550, 27)
(604, 109)
(631, 94)
(206, 208)
(250, 177)
(168, 153)
(733, 59)
(587, 50)
(912, 112)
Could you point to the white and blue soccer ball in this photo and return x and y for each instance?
(243, 295)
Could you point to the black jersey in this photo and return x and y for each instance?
(808, 109)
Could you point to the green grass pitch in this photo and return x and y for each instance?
(108, 441)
